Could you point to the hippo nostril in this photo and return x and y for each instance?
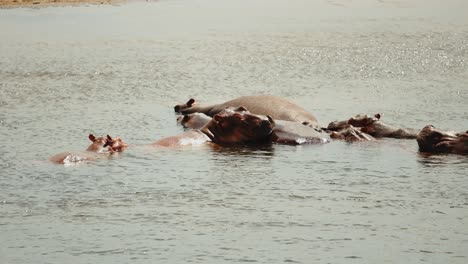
(176, 108)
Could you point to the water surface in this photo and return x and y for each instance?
(70, 71)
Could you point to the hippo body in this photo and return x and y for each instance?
(276, 107)
(379, 129)
(194, 137)
(193, 120)
(73, 157)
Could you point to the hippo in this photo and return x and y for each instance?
(193, 120)
(357, 128)
(371, 126)
(284, 132)
(433, 140)
(351, 134)
(294, 133)
(100, 146)
(225, 128)
(276, 107)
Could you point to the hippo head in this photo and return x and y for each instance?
(115, 144)
(181, 108)
(363, 120)
(357, 121)
(232, 126)
(106, 144)
(433, 140)
(194, 120)
(351, 134)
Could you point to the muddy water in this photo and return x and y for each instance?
(67, 72)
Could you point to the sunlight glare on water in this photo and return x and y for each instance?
(66, 72)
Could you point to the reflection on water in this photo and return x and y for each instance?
(445, 160)
(250, 150)
(119, 70)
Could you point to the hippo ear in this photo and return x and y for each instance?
(378, 116)
(241, 109)
(92, 137)
(109, 138)
(270, 119)
(190, 102)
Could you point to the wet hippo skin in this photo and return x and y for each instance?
(276, 107)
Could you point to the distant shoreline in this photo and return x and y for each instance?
(47, 3)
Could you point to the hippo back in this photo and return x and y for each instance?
(276, 107)
(294, 133)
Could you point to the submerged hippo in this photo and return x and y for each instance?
(100, 146)
(226, 127)
(370, 126)
(433, 140)
(276, 107)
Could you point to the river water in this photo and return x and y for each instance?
(69, 71)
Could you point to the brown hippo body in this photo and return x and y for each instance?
(276, 107)
(284, 132)
(227, 127)
(433, 140)
(100, 146)
(194, 137)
